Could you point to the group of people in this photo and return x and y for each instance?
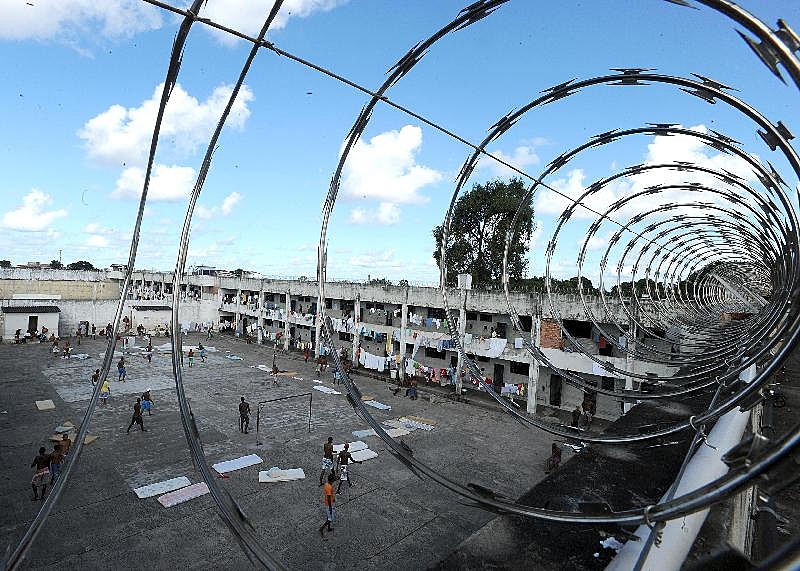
(582, 415)
(343, 460)
(334, 468)
(48, 466)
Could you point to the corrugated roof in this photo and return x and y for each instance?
(31, 309)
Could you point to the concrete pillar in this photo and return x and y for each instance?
(357, 320)
(533, 367)
(286, 310)
(318, 325)
(403, 326)
(238, 315)
(462, 328)
(260, 315)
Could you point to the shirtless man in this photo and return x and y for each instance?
(327, 459)
(147, 402)
(56, 456)
(342, 461)
(42, 465)
(95, 376)
(66, 444)
(137, 416)
(244, 416)
(121, 369)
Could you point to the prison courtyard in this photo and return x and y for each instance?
(389, 519)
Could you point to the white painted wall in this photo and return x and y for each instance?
(14, 321)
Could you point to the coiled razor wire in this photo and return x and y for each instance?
(740, 248)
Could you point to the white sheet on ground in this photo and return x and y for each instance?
(415, 424)
(362, 455)
(354, 446)
(378, 405)
(183, 495)
(46, 404)
(326, 390)
(395, 432)
(363, 433)
(157, 488)
(237, 463)
(275, 474)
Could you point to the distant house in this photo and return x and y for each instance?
(29, 318)
(204, 271)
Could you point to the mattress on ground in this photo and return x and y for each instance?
(158, 488)
(362, 455)
(363, 433)
(354, 446)
(275, 474)
(327, 390)
(378, 405)
(395, 432)
(183, 495)
(415, 424)
(237, 463)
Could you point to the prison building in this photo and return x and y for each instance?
(396, 331)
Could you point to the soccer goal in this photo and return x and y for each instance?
(282, 417)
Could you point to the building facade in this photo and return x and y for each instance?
(395, 331)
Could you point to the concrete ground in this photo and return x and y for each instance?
(389, 519)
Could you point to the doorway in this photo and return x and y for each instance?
(555, 390)
(498, 375)
(33, 323)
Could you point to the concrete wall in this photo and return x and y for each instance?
(65, 283)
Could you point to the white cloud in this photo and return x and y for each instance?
(95, 228)
(377, 260)
(213, 249)
(248, 16)
(385, 168)
(551, 202)
(521, 157)
(97, 241)
(41, 20)
(224, 209)
(202, 212)
(229, 202)
(597, 242)
(387, 214)
(121, 136)
(168, 183)
(32, 216)
(661, 150)
(358, 216)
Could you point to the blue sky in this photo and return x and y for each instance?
(81, 81)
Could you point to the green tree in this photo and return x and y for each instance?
(56, 265)
(403, 283)
(81, 265)
(5, 263)
(476, 242)
(238, 272)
